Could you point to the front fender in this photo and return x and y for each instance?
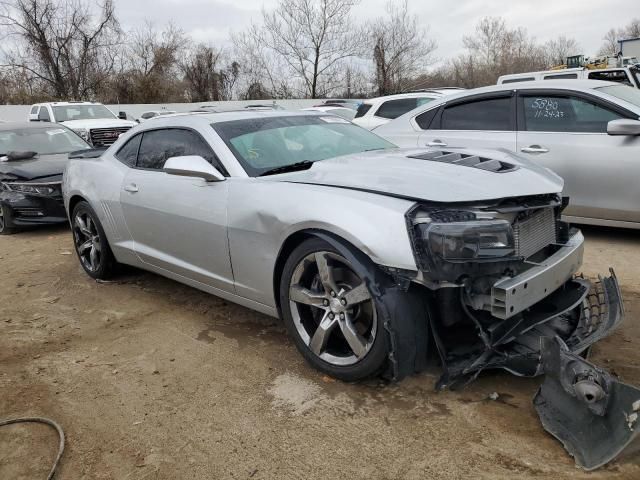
(262, 215)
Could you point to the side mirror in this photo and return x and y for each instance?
(193, 166)
(122, 115)
(33, 117)
(624, 127)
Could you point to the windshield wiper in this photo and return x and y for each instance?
(303, 165)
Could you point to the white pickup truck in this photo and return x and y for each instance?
(94, 122)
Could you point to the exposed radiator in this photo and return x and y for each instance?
(535, 232)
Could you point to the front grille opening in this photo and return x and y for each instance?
(28, 212)
(103, 137)
(534, 232)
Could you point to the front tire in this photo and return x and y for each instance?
(330, 313)
(6, 227)
(91, 242)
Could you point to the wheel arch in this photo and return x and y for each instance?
(293, 241)
(405, 311)
(73, 201)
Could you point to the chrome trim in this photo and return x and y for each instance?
(511, 296)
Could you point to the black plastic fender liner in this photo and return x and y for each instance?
(405, 312)
(594, 415)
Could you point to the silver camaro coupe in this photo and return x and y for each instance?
(377, 259)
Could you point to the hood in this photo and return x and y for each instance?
(41, 166)
(394, 172)
(98, 123)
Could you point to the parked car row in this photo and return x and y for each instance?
(586, 131)
(372, 254)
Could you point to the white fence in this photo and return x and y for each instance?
(18, 113)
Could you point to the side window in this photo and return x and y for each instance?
(43, 116)
(561, 76)
(128, 154)
(424, 119)
(490, 114)
(34, 110)
(394, 108)
(159, 145)
(565, 114)
(519, 79)
(619, 76)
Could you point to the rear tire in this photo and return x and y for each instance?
(330, 313)
(91, 243)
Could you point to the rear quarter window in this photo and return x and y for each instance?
(424, 120)
(363, 108)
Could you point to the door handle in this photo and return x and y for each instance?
(436, 143)
(131, 188)
(534, 149)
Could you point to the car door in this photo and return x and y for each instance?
(478, 122)
(567, 132)
(178, 224)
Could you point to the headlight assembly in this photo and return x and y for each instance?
(43, 189)
(444, 238)
(467, 241)
(83, 133)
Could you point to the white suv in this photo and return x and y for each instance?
(94, 122)
(377, 111)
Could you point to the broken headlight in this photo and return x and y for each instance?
(459, 236)
(464, 241)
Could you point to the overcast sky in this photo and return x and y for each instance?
(210, 21)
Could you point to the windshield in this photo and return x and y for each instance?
(262, 144)
(628, 94)
(81, 112)
(44, 141)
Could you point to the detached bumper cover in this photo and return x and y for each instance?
(580, 313)
(593, 414)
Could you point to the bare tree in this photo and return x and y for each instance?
(201, 75)
(401, 48)
(312, 38)
(556, 51)
(63, 45)
(263, 73)
(495, 49)
(611, 40)
(152, 63)
(206, 80)
(610, 45)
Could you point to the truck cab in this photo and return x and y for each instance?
(92, 121)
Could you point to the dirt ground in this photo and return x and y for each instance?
(154, 380)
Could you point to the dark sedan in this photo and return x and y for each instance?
(32, 159)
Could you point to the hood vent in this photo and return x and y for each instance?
(465, 160)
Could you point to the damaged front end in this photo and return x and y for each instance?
(506, 295)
